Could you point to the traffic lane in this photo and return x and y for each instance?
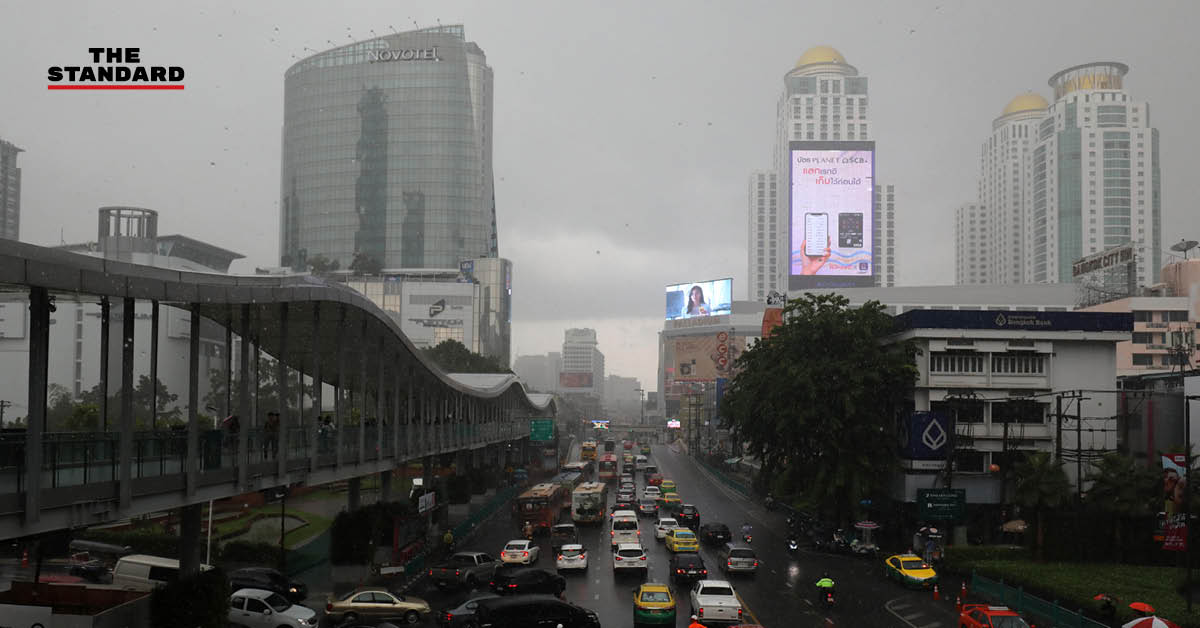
(783, 591)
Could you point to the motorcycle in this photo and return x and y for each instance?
(827, 598)
(747, 538)
(793, 545)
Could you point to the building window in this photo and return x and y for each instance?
(1019, 411)
(955, 363)
(961, 411)
(970, 461)
(1142, 338)
(1143, 359)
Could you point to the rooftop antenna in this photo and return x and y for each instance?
(1184, 246)
(393, 28)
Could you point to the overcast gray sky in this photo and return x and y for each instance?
(624, 131)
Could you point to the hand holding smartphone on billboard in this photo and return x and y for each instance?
(816, 233)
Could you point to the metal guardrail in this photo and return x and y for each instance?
(724, 479)
(1047, 614)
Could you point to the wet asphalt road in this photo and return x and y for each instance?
(781, 595)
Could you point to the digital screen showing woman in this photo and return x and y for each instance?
(700, 298)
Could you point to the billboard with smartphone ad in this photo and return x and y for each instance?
(700, 298)
(832, 215)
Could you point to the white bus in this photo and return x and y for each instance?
(588, 502)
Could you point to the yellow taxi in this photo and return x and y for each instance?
(669, 502)
(910, 570)
(668, 486)
(653, 605)
(682, 540)
(627, 458)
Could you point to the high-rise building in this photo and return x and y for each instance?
(1006, 187)
(539, 372)
(970, 244)
(823, 99)
(1095, 172)
(10, 192)
(582, 364)
(387, 154)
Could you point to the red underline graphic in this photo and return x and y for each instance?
(114, 87)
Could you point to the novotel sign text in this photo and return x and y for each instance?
(403, 54)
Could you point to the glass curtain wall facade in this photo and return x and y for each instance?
(387, 154)
(10, 192)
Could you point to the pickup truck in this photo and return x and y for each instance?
(464, 569)
(715, 601)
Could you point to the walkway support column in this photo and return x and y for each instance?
(362, 387)
(35, 422)
(380, 408)
(246, 421)
(189, 539)
(339, 389)
(126, 423)
(281, 455)
(193, 427)
(354, 493)
(314, 430)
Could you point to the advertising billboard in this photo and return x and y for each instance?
(673, 423)
(831, 215)
(705, 358)
(700, 298)
(431, 312)
(574, 380)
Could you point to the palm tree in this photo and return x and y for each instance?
(1040, 483)
(1123, 489)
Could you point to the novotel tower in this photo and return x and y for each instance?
(387, 154)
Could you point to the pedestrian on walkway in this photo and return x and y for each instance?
(696, 623)
(271, 436)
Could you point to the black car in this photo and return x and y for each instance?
(647, 508)
(715, 534)
(687, 566)
(269, 579)
(463, 615)
(528, 580)
(688, 516)
(522, 611)
(563, 534)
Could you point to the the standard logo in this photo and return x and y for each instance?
(122, 69)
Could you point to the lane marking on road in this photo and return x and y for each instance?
(933, 624)
(911, 616)
(892, 607)
(746, 607)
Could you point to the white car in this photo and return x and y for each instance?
(664, 524)
(258, 607)
(631, 557)
(519, 552)
(571, 556)
(651, 492)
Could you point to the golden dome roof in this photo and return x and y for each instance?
(1028, 101)
(820, 54)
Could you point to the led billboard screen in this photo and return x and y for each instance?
(575, 380)
(832, 215)
(673, 423)
(699, 298)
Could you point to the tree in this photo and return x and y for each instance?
(1041, 483)
(321, 264)
(85, 413)
(454, 357)
(268, 387)
(1122, 488)
(818, 400)
(364, 264)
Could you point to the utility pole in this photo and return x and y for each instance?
(1058, 428)
(4, 404)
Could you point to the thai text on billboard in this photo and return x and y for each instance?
(832, 214)
(700, 298)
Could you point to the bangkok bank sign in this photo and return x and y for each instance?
(387, 53)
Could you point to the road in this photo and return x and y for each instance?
(780, 595)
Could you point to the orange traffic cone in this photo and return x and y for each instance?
(963, 591)
(936, 594)
(958, 603)
(25, 558)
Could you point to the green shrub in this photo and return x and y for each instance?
(962, 558)
(201, 600)
(253, 552)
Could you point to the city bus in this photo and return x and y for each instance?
(587, 451)
(540, 505)
(588, 502)
(584, 469)
(568, 480)
(607, 467)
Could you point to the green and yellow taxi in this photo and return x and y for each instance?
(646, 450)
(668, 502)
(682, 540)
(653, 605)
(668, 486)
(910, 570)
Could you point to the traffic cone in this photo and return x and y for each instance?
(25, 558)
(963, 591)
(936, 594)
(958, 603)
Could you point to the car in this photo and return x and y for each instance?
(688, 515)
(627, 486)
(625, 528)
(626, 478)
(528, 580)
(651, 492)
(463, 615)
(715, 601)
(663, 525)
(375, 603)
(647, 508)
(649, 470)
(627, 444)
(463, 569)
(986, 616)
(625, 496)
(571, 556)
(653, 479)
(639, 461)
(682, 540)
(520, 552)
(518, 610)
(653, 605)
(688, 566)
(646, 450)
(563, 534)
(630, 557)
(667, 486)
(738, 558)
(270, 580)
(253, 608)
(715, 533)
(627, 458)
(910, 570)
(669, 502)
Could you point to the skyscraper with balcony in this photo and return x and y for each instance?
(1006, 188)
(823, 99)
(10, 192)
(387, 154)
(970, 244)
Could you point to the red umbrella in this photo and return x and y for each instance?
(1142, 606)
(1151, 622)
(1104, 596)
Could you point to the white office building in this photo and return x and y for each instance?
(1006, 187)
(971, 233)
(582, 364)
(823, 99)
